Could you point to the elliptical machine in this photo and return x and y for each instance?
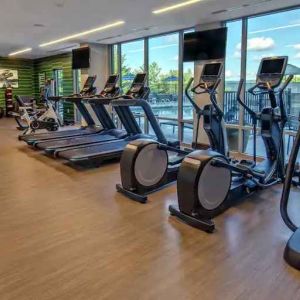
(209, 183)
(147, 165)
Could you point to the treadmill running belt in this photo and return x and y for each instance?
(31, 138)
(113, 149)
(52, 145)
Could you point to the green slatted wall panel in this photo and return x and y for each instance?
(25, 73)
(47, 65)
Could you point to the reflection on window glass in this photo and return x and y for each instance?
(275, 35)
(232, 71)
(163, 74)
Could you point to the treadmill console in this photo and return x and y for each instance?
(111, 84)
(211, 73)
(137, 85)
(271, 72)
(88, 87)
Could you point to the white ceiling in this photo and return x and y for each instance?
(65, 17)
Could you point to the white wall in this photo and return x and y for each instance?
(99, 65)
(204, 99)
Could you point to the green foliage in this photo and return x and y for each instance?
(158, 81)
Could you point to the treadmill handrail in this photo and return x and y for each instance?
(148, 112)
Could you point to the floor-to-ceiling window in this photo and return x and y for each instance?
(164, 80)
(232, 79)
(132, 62)
(249, 40)
(274, 35)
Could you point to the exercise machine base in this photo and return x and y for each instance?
(202, 224)
(131, 195)
(292, 250)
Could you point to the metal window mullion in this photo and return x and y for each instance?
(119, 56)
(243, 75)
(146, 70)
(180, 88)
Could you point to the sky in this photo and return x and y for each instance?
(269, 35)
(163, 50)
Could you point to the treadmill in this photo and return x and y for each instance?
(109, 132)
(138, 93)
(91, 128)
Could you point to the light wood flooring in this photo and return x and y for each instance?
(67, 234)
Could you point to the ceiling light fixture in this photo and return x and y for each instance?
(84, 33)
(175, 6)
(20, 52)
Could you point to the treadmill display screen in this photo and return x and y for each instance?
(212, 69)
(113, 79)
(272, 66)
(139, 78)
(90, 81)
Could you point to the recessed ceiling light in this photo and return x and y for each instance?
(20, 52)
(175, 6)
(84, 33)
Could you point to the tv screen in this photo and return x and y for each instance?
(205, 45)
(81, 58)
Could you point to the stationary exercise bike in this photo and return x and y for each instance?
(208, 182)
(36, 119)
(147, 165)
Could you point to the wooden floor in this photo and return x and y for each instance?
(67, 234)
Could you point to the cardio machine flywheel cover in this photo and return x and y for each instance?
(150, 165)
(213, 185)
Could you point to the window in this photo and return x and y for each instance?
(277, 34)
(132, 62)
(271, 35)
(163, 74)
(232, 72)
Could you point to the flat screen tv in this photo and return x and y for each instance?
(81, 58)
(205, 45)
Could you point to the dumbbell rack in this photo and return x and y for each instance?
(9, 104)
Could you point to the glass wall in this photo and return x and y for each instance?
(132, 62)
(274, 35)
(249, 40)
(232, 71)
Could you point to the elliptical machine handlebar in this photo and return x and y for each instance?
(212, 94)
(251, 112)
(194, 104)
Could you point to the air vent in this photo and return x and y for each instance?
(39, 25)
(219, 12)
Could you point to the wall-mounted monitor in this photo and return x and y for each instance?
(205, 45)
(81, 58)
